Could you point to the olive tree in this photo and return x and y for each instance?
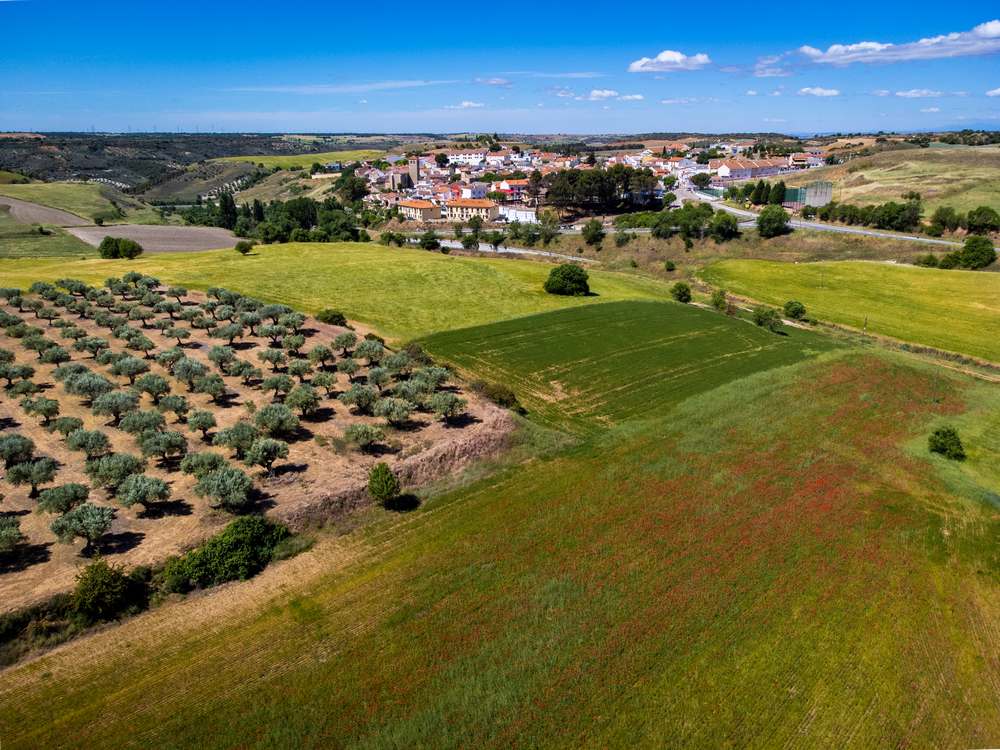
(111, 470)
(276, 419)
(63, 498)
(33, 472)
(265, 451)
(92, 443)
(115, 404)
(237, 438)
(227, 488)
(200, 464)
(143, 490)
(87, 520)
(202, 421)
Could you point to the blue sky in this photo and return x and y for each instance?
(576, 67)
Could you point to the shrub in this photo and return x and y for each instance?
(383, 486)
(945, 440)
(719, 300)
(795, 310)
(119, 247)
(396, 411)
(681, 292)
(331, 317)
(977, 252)
(243, 247)
(242, 550)
(593, 232)
(498, 393)
(767, 317)
(103, 592)
(568, 279)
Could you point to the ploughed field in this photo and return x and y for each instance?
(154, 347)
(404, 293)
(587, 368)
(954, 310)
(776, 562)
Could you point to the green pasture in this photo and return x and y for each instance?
(589, 367)
(87, 200)
(404, 293)
(954, 310)
(767, 565)
(19, 240)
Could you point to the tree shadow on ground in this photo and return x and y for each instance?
(462, 420)
(322, 414)
(116, 544)
(242, 346)
(403, 503)
(291, 468)
(24, 556)
(9, 423)
(167, 509)
(260, 502)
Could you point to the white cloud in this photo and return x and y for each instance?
(543, 74)
(881, 92)
(771, 67)
(669, 60)
(775, 119)
(341, 88)
(684, 100)
(984, 39)
(465, 105)
(597, 95)
(993, 92)
(918, 93)
(495, 81)
(362, 101)
(818, 91)
(751, 92)
(931, 109)
(631, 98)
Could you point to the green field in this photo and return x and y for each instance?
(963, 177)
(404, 293)
(89, 201)
(7, 178)
(954, 310)
(590, 367)
(766, 566)
(19, 240)
(301, 161)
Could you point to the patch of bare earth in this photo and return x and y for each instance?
(160, 239)
(320, 479)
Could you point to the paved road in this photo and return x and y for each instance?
(749, 218)
(33, 213)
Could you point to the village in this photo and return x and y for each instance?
(452, 185)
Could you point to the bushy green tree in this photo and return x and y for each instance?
(92, 443)
(86, 520)
(142, 490)
(200, 464)
(237, 438)
(33, 472)
(303, 398)
(767, 317)
(201, 421)
(114, 404)
(111, 470)
(102, 592)
(276, 419)
(681, 292)
(795, 310)
(364, 436)
(227, 488)
(568, 279)
(63, 498)
(265, 451)
(945, 441)
(10, 534)
(772, 222)
(383, 486)
(361, 397)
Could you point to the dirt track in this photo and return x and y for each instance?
(160, 239)
(33, 213)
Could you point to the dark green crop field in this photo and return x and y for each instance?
(590, 367)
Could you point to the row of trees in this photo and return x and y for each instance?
(601, 190)
(760, 193)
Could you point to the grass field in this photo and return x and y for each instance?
(768, 566)
(87, 200)
(19, 240)
(954, 310)
(963, 178)
(590, 367)
(404, 293)
(300, 161)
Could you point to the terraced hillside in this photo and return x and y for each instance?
(590, 367)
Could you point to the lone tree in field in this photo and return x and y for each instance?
(34, 472)
(772, 222)
(568, 279)
(945, 441)
(383, 486)
(795, 310)
(87, 520)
